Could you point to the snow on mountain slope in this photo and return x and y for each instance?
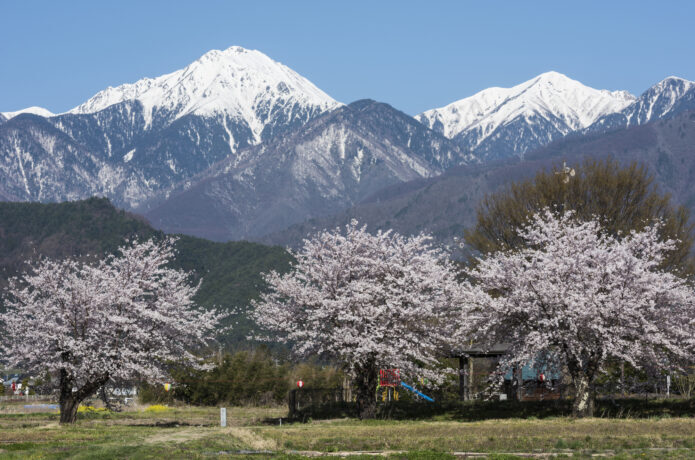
(146, 137)
(40, 163)
(661, 99)
(445, 205)
(669, 97)
(552, 101)
(239, 83)
(332, 162)
(33, 110)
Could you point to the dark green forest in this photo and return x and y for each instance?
(231, 271)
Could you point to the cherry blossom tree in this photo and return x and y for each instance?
(579, 297)
(123, 318)
(366, 301)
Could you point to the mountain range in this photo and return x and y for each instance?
(447, 204)
(501, 122)
(238, 146)
(331, 163)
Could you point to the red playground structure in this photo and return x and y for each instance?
(389, 377)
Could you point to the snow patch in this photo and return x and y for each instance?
(128, 156)
(40, 111)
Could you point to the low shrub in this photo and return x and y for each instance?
(91, 410)
(157, 408)
(253, 378)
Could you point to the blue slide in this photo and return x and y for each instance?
(423, 396)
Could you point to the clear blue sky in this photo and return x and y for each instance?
(414, 55)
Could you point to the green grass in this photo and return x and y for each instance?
(193, 432)
(486, 436)
(181, 432)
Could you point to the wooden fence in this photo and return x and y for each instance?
(27, 398)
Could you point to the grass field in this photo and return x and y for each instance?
(190, 432)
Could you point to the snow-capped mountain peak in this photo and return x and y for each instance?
(672, 79)
(143, 138)
(666, 98)
(660, 99)
(33, 110)
(238, 83)
(549, 95)
(671, 88)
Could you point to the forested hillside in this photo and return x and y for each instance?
(230, 271)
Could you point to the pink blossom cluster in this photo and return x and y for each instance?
(128, 316)
(379, 300)
(580, 297)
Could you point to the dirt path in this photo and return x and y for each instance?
(386, 453)
(246, 437)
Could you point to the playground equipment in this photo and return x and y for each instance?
(422, 395)
(390, 379)
(389, 394)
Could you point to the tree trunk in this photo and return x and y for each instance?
(583, 405)
(68, 409)
(366, 380)
(70, 400)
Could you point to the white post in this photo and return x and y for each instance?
(223, 416)
(668, 385)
